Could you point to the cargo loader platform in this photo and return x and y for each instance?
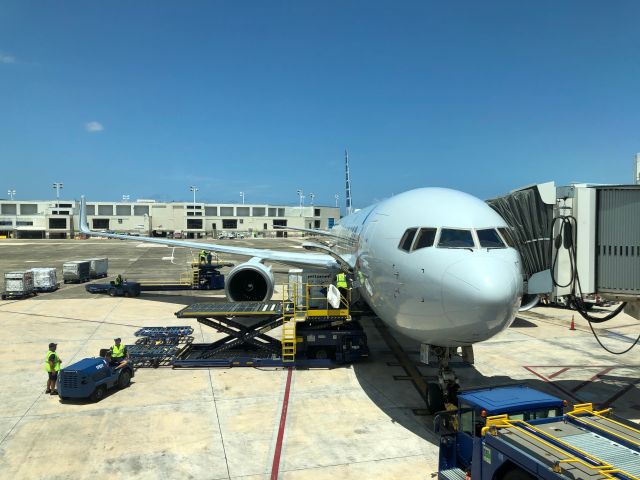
(585, 444)
(318, 340)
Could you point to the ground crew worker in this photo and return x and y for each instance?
(118, 281)
(52, 366)
(343, 286)
(118, 353)
(209, 257)
(203, 256)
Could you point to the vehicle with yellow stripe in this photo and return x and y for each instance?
(518, 433)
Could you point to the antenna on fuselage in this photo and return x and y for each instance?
(348, 210)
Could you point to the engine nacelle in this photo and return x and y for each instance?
(251, 281)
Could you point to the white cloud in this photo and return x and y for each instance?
(93, 127)
(4, 58)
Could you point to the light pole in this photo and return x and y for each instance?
(194, 189)
(337, 197)
(125, 198)
(301, 198)
(312, 196)
(11, 193)
(57, 186)
(242, 195)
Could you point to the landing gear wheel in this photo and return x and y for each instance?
(112, 292)
(435, 398)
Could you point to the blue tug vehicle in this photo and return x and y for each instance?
(91, 378)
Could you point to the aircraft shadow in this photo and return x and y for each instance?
(388, 385)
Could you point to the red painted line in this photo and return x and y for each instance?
(553, 375)
(275, 467)
(595, 377)
(546, 380)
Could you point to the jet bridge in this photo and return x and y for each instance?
(580, 239)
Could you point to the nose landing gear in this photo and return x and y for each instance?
(445, 390)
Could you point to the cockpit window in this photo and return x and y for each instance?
(426, 236)
(407, 239)
(451, 238)
(508, 237)
(489, 238)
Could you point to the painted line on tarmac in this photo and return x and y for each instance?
(592, 379)
(552, 383)
(275, 467)
(403, 359)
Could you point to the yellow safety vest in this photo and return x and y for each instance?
(117, 352)
(341, 281)
(56, 362)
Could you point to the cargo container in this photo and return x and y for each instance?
(99, 267)
(45, 279)
(78, 271)
(18, 284)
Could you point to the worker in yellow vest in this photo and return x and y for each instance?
(118, 353)
(203, 256)
(52, 366)
(343, 286)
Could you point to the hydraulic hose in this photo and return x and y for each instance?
(565, 239)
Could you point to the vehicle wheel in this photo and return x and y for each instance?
(517, 474)
(125, 379)
(98, 394)
(126, 294)
(112, 292)
(435, 399)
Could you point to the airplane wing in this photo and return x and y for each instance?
(314, 231)
(291, 258)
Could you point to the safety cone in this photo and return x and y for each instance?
(573, 324)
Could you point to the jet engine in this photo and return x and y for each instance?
(251, 281)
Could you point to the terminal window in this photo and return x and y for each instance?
(6, 222)
(57, 223)
(316, 212)
(24, 223)
(102, 223)
(28, 209)
(194, 223)
(91, 209)
(8, 208)
(316, 224)
(228, 223)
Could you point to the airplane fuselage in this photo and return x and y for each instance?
(454, 281)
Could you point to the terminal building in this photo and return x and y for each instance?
(59, 218)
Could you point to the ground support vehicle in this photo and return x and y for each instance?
(318, 336)
(92, 378)
(18, 285)
(77, 271)
(125, 289)
(158, 346)
(98, 267)
(45, 279)
(518, 433)
(202, 276)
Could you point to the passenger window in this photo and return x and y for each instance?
(407, 239)
(451, 238)
(508, 237)
(425, 238)
(489, 238)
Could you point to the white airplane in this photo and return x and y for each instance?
(434, 264)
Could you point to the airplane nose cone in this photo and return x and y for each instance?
(481, 294)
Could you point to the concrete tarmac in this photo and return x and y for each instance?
(361, 421)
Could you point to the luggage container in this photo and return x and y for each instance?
(18, 284)
(99, 267)
(78, 271)
(45, 279)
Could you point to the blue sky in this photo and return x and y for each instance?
(147, 98)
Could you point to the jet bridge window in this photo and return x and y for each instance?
(425, 238)
(489, 238)
(453, 238)
(407, 239)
